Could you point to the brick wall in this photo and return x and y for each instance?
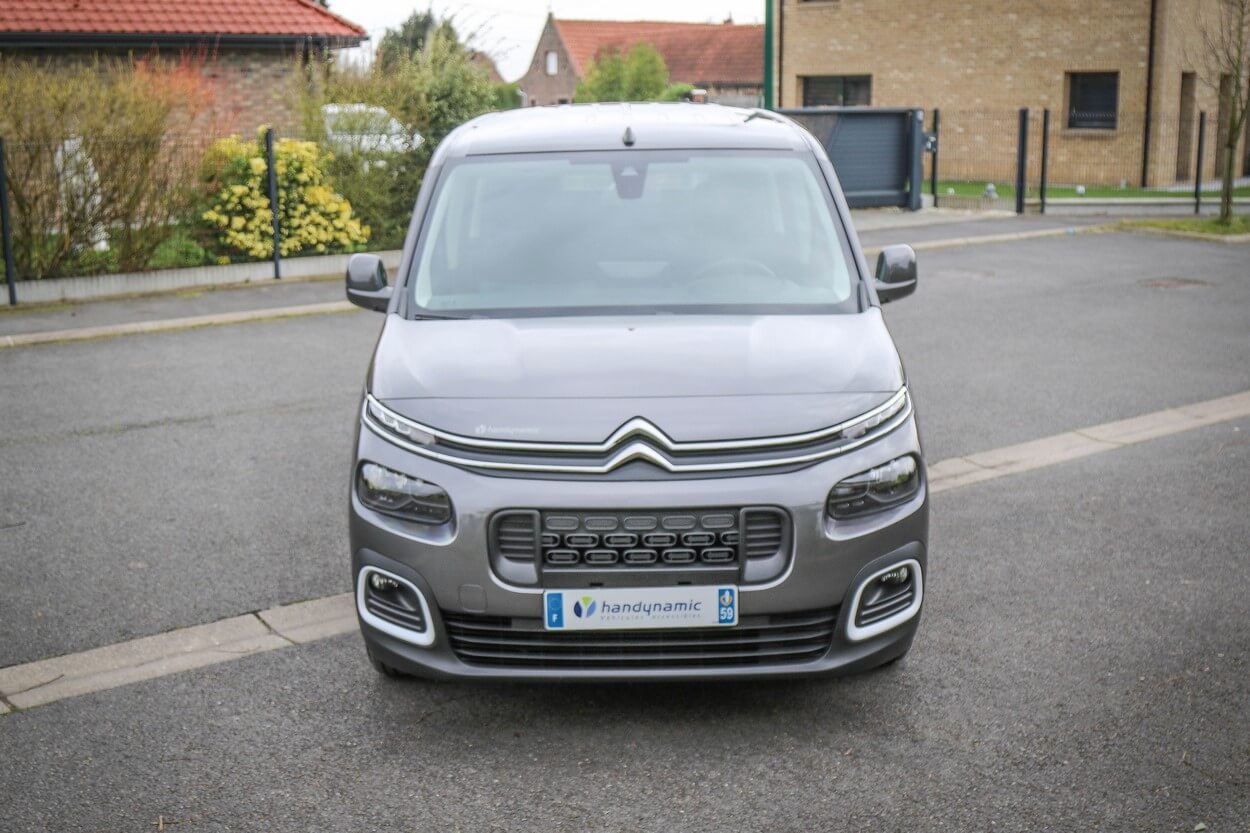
(541, 88)
(253, 87)
(981, 60)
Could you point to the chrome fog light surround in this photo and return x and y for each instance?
(857, 633)
(424, 638)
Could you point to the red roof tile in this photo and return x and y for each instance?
(226, 18)
(694, 52)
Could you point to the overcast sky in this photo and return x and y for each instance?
(508, 29)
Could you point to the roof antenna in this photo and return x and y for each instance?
(628, 138)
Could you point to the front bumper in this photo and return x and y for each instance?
(828, 560)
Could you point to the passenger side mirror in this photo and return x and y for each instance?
(366, 282)
(896, 273)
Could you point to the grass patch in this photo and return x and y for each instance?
(1007, 190)
(1203, 225)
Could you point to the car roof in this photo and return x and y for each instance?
(651, 125)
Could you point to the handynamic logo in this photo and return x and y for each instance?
(585, 607)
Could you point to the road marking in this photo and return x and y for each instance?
(48, 680)
(1005, 237)
(173, 324)
(1072, 445)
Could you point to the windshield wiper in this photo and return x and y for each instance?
(434, 316)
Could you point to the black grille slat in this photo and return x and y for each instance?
(520, 643)
(516, 535)
(885, 608)
(394, 613)
(763, 532)
(667, 641)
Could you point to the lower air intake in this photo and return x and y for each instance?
(788, 638)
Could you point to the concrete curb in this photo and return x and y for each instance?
(1006, 237)
(1226, 239)
(172, 324)
(90, 287)
(45, 681)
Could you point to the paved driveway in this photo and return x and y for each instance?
(1084, 662)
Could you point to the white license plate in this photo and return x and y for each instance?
(636, 608)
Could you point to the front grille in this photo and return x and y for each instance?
(777, 639)
(599, 539)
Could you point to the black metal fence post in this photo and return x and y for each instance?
(915, 177)
(6, 230)
(1202, 147)
(1045, 156)
(933, 162)
(273, 204)
(1022, 159)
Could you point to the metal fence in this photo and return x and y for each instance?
(85, 205)
(1025, 159)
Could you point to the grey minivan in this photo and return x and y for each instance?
(634, 412)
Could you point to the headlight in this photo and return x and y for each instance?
(876, 489)
(401, 496)
(393, 423)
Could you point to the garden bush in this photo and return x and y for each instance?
(98, 178)
(311, 215)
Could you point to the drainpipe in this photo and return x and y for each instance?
(768, 55)
(1150, 91)
(781, 51)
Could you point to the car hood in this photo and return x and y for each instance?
(577, 379)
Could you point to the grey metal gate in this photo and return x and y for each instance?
(876, 151)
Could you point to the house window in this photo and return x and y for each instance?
(553, 63)
(837, 90)
(1093, 98)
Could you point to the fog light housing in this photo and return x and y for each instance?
(401, 496)
(872, 491)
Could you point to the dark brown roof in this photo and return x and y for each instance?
(176, 18)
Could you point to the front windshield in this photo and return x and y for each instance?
(629, 232)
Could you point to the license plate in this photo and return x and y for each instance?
(629, 608)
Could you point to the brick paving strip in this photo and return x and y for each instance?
(48, 680)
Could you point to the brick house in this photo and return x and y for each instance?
(1124, 79)
(725, 59)
(254, 48)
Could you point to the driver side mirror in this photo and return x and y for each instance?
(366, 282)
(896, 273)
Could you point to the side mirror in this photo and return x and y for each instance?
(366, 282)
(896, 273)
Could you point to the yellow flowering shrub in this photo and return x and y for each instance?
(312, 217)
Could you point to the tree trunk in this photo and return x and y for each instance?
(1226, 185)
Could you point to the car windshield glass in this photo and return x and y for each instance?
(629, 232)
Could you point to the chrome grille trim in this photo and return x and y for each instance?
(875, 423)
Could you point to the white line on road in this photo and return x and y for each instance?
(48, 680)
(171, 324)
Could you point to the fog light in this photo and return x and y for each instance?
(381, 583)
(899, 575)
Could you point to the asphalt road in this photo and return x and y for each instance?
(1082, 665)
